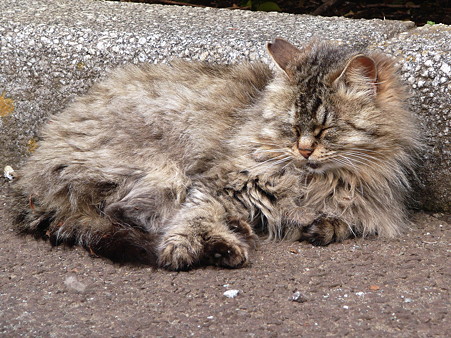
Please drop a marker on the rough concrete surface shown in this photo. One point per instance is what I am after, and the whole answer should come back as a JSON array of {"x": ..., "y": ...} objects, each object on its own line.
[
  {"x": 425, "y": 58},
  {"x": 54, "y": 50},
  {"x": 359, "y": 288}
]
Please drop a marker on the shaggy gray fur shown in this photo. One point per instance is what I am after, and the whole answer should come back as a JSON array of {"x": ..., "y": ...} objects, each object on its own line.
[{"x": 178, "y": 165}]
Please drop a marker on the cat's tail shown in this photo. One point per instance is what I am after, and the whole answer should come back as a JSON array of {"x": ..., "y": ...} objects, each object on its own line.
[{"x": 91, "y": 229}]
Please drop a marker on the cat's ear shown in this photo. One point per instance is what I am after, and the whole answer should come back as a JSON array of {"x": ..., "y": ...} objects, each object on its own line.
[
  {"x": 360, "y": 71},
  {"x": 283, "y": 53}
]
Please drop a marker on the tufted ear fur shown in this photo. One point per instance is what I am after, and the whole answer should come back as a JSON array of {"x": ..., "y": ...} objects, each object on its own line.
[
  {"x": 283, "y": 53},
  {"x": 361, "y": 73}
]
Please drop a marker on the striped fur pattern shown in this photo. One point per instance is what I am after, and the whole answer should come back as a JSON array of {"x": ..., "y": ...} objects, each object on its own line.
[{"x": 181, "y": 165}]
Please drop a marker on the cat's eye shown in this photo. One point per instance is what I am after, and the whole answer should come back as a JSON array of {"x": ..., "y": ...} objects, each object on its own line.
[{"x": 319, "y": 131}]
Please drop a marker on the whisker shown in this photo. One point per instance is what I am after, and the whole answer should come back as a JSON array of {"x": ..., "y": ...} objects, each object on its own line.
[
  {"x": 286, "y": 165},
  {"x": 276, "y": 162},
  {"x": 348, "y": 161},
  {"x": 352, "y": 230},
  {"x": 372, "y": 160},
  {"x": 265, "y": 143},
  {"x": 268, "y": 161},
  {"x": 363, "y": 161},
  {"x": 281, "y": 161},
  {"x": 363, "y": 156},
  {"x": 270, "y": 150},
  {"x": 361, "y": 149},
  {"x": 368, "y": 163},
  {"x": 345, "y": 164}
]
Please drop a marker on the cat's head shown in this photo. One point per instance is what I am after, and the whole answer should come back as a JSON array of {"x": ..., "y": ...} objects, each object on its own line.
[{"x": 330, "y": 108}]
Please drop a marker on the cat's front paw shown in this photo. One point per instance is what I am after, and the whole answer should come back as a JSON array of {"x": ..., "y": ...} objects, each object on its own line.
[
  {"x": 185, "y": 252},
  {"x": 226, "y": 251},
  {"x": 325, "y": 230},
  {"x": 180, "y": 252}
]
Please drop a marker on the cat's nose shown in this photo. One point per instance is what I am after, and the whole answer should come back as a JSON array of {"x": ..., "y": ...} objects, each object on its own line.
[{"x": 305, "y": 152}]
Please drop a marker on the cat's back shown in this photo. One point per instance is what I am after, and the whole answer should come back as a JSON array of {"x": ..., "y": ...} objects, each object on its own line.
[
  {"x": 182, "y": 85},
  {"x": 183, "y": 109},
  {"x": 179, "y": 92}
]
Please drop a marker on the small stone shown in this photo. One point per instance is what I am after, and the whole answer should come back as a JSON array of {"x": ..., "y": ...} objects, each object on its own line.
[
  {"x": 231, "y": 293},
  {"x": 142, "y": 57},
  {"x": 101, "y": 45},
  {"x": 73, "y": 283},
  {"x": 445, "y": 68},
  {"x": 9, "y": 173},
  {"x": 203, "y": 56},
  {"x": 298, "y": 297}
]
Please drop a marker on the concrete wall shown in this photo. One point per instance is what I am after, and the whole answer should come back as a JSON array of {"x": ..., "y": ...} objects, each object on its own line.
[{"x": 53, "y": 50}]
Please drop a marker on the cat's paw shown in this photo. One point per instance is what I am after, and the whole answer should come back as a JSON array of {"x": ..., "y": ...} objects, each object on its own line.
[
  {"x": 185, "y": 252},
  {"x": 243, "y": 230},
  {"x": 325, "y": 230},
  {"x": 226, "y": 251},
  {"x": 180, "y": 252}
]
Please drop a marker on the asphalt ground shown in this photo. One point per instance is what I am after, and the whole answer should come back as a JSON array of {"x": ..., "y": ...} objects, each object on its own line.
[{"x": 361, "y": 287}]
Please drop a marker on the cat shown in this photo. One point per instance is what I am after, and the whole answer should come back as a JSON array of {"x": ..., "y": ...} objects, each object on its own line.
[{"x": 184, "y": 164}]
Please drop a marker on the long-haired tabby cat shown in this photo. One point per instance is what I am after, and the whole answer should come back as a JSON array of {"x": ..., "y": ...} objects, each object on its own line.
[{"x": 180, "y": 165}]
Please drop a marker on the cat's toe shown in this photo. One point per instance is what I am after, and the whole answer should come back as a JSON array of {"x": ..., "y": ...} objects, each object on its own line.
[
  {"x": 178, "y": 255},
  {"x": 226, "y": 252},
  {"x": 243, "y": 230},
  {"x": 326, "y": 230}
]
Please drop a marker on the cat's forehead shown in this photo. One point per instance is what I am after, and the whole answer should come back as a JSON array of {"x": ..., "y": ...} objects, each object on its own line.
[
  {"x": 322, "y": 60},
  {"x": 313, "y": 80},
  {"x": 311, "y": 96}
]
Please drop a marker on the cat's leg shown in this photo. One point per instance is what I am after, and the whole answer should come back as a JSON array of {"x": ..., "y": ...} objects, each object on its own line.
[
  {"x": 325, "y": 230},
  {"x": 203, "y": 233},
  {"x": 137, "y": 211},
  {"x": 87, "y": 227},
  {"x": 306, "y": 224},
  {"x": 69, "y": 208},
  {"x": 112, "y": 240},
  {"x": 145, "y": 206}
]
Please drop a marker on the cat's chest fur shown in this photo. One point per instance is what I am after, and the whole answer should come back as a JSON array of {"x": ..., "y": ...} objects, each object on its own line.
[{"x": 263, "y": 199}]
